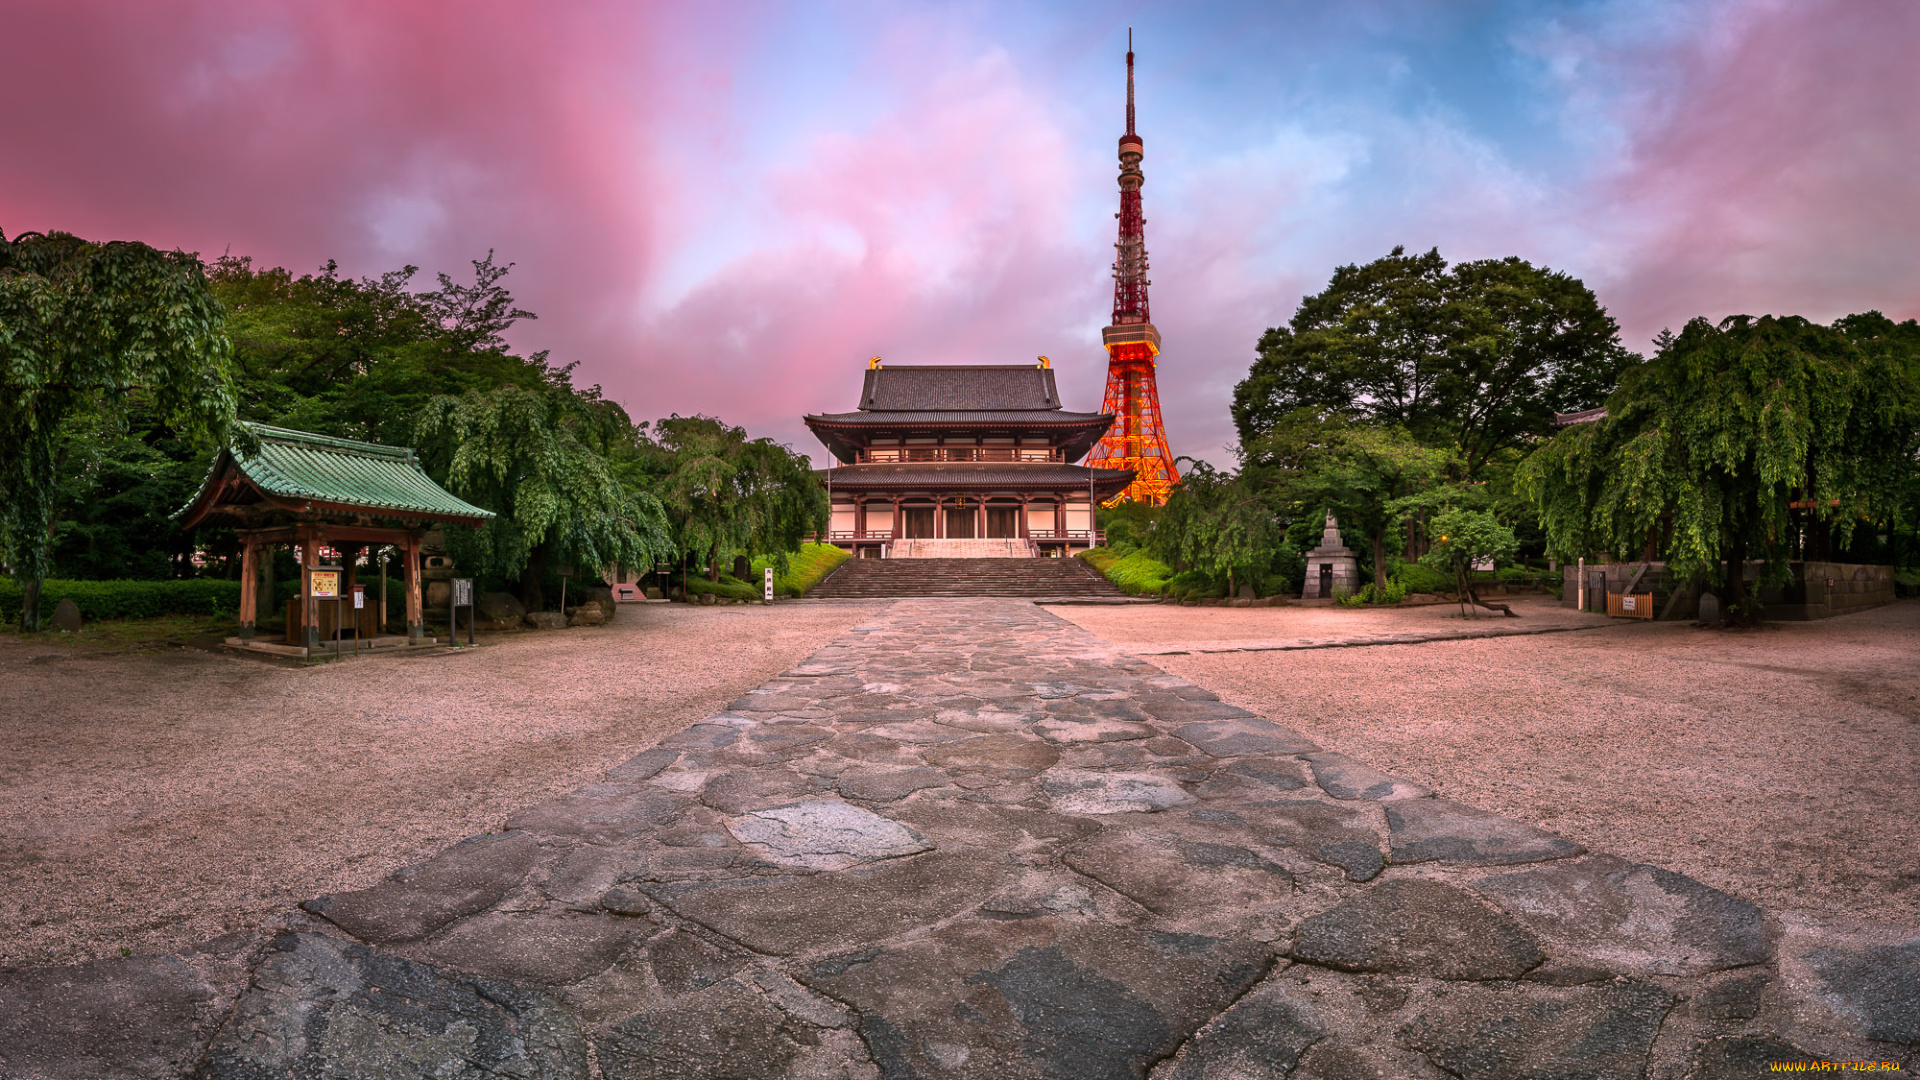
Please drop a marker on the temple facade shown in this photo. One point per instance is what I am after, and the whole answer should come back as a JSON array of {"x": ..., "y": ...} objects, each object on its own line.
[{"x": 963, "y": 461}]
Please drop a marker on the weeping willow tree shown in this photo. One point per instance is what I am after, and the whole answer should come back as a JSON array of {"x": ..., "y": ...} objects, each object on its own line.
[
  {"x": 1710, "y": 448},
  {"x": 539, "y": 458},
  {"x": 82, "y": 326},
  {"x": 1218, "y": 523},
  {"x": 725, "y": 492}
]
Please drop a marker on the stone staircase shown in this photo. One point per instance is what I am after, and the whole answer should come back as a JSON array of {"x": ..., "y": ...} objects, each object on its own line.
[
  {"x": 961, "y": 549},
  {"x": 863, "y": 578}
]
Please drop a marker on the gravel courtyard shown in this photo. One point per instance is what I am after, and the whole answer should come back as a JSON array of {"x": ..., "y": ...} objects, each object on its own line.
[
  {"x": 151, "y": 801},
  {"x": 1780, "y": 765}
]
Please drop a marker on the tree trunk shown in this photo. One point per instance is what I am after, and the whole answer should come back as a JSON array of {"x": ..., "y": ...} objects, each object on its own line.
[
  {"x": 532, "y": 592},
  {"x": 1379, "y": 560},
  {"x": 713, "y": 563},
  {"x": 1739, "y": 606},
  {"x": 30, "y": 605}
]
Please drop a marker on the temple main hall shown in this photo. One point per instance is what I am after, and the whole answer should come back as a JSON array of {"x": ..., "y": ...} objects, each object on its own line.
[{"x": 963, "y": 461}]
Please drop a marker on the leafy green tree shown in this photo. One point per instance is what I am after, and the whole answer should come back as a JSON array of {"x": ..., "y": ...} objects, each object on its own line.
[
  {"x": 360, "y": 359},
  {"x": 1477, "y": 357},
  {"x": 1731, "y": 438},
  {"x": 82, "y": 325},
  {"x": 1218, "y": 523},
  {"x": 725, "y": 492},
  {"x": 1369, "y": 476},
  {"x": 1464, "y": 538},
  {"x": 539, "y": 458}
]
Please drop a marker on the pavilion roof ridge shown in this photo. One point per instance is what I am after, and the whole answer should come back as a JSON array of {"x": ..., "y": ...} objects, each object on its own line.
[{"x": 327, "y": 471}]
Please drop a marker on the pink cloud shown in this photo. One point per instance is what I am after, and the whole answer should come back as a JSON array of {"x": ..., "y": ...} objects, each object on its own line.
[
  {"x": 1776, "y": 171},
  {"x": 377, "y": 134}
]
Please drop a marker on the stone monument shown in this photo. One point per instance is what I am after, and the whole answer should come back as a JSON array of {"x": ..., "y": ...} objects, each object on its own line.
[{"x": 1331, "y": 568}]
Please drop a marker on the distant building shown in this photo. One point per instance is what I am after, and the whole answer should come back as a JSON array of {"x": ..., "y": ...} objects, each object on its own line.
[{"x": 964, "y": 460}]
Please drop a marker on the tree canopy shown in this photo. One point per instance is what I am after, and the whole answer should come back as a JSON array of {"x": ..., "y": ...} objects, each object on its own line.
[
  {"x": 538, "y": 458},
  {"x": 84, "y": 326},
  {"x": 1474, "y": 358},
  {"x": 725, "y": 492},
  {"x": 1732, "y": 439}
]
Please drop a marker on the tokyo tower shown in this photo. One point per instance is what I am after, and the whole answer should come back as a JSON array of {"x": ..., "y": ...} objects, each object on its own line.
[{"x": 1137, "y": 440}]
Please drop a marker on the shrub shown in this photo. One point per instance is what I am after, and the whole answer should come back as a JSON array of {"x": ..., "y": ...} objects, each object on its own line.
[
  {"x": 128, "y": 599},
  {"x": 728, "y": 587},
  {"x": 1391, "y": 593},
  {"x": 1906, "y": 582},
  {"x": 1135, "y": 572},
  {"x": 1414, "y": 577},
  {"x": 805, "y": 569},
  {"x": 1194, "y": 585}
]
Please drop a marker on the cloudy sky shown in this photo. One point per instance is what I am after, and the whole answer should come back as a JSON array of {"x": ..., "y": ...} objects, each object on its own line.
[{"x": 726, "y": 208}]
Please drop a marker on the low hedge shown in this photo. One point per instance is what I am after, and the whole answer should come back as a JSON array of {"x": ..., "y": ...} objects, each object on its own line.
[
  {"x": 127, "y": 599},
  {"x": 1135, "y": 572},
  {"x": 728, "y": 587},
  {"x": 805, "y": 568}
]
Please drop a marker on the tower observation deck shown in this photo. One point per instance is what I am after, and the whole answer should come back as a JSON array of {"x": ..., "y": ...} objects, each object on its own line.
[{"x": 1138, "y": 439}]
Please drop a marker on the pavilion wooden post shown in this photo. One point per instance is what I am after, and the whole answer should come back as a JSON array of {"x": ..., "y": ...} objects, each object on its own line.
[
  {"x": 980, "y": 518},
  {"x": 939, "y": 517},
  {"x": 1026, "y": 530},
  {"x": 309, "y": 611},
  {"x": 249, "y": 588},
  {"x": 416, "y": 618}
]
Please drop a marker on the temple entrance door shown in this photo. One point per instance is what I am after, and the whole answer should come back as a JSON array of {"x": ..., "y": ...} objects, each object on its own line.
[
  {"x": 1003, "y": 522},
  {"x": 916, "y": 522},
  {"x": 1326, "y": 580},
  {"x": 960, "y": 522}
]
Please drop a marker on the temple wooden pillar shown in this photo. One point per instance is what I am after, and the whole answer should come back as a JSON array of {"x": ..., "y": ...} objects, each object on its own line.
[
  {"x": 1026, "y": 533},
  {"x": 939, "y": 517},
  {"x": 249, "y": 588},
  {"x": 897, "y": 526},
  {"x": 980, "y": 518},
  {"x": 416, "y": 611}
]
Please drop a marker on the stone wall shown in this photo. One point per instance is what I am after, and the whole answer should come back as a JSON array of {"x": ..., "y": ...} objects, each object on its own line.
[{"x": 1818, "y": 590}]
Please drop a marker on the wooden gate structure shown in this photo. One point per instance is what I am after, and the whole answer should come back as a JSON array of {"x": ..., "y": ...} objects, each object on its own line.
[{"x": 311, "y": 490}]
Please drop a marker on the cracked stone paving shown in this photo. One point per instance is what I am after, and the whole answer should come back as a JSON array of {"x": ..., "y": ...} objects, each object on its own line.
[{"x": 971, "y": 839}]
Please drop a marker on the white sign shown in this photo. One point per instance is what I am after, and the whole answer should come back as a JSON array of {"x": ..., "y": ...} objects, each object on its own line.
[
  {"x": 769, "y": 583},
  {"x": 359, "y": 599},
  {"x": 1626, "y": 602},
  {"x": 462, "y": 592}
]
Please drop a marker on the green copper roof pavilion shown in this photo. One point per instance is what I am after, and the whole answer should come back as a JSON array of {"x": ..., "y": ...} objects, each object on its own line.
[{"x": 300, "y": 473}]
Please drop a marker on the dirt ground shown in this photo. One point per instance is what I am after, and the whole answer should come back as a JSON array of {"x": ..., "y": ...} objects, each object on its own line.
[
  {"x": 1781, "y": 765},
  {"x": 152, "y": 800}
]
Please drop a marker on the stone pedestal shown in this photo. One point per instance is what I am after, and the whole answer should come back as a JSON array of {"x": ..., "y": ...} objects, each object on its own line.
[{"x": 1332, "y": 569}]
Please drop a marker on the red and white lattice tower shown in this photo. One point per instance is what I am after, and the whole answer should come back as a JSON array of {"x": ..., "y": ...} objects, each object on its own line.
[{"x": 1137, "y": 440}]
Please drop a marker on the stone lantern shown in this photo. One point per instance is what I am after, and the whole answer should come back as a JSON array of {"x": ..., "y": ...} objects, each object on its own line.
[{"x": 1331, "y": 568}]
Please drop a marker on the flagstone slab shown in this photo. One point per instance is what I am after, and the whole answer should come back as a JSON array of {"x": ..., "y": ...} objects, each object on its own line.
[
  {"x": 321, "y": 1008},
  {"x": 1631, "y": 919},
  {"x": 411, "y": 903},
  {"x": 1527, "y": 1030},
  {"x": 1036, "y": 998},
  {"x": 1233, "y": 738},
  {"x": 546, "y": 948},
  {"x": 1440, "y": 830},
  {"x": 1090, "y": 791},
  {"x": 1344, "y": 778},
  {"x": 824, "y": 834},
  {"x": 1415, "y": 927},
  {"x": 825, "y": 912}
]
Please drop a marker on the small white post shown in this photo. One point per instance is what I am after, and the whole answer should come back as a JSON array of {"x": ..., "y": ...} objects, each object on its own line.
[{"x": 1580, "y": 584}]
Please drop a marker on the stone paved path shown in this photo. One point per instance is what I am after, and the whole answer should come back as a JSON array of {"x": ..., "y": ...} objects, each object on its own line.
[{"x": 973, "y": 840}]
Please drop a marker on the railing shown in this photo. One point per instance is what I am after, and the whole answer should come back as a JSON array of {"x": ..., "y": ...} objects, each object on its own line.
[
  {"x": 1099, "y": 536},
  {"x": 957, "y": 453},
  {"x": 887, "y": 535}
]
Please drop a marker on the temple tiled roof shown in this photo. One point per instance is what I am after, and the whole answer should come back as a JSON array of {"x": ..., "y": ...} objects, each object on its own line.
[
  {"x": 960, "y": 388},
  {"x": 304, "y": 469},
  {"x": 963, "y": 418},
  {"x": 977, "y": 476}
]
